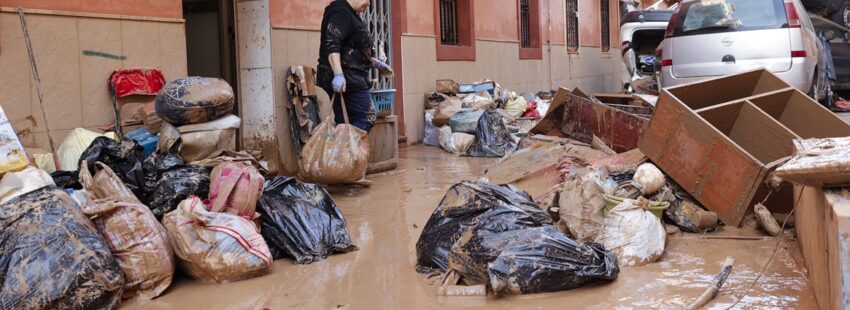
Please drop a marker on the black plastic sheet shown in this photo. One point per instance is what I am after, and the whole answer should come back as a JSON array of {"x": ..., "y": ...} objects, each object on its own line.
[
  {"x": 301, "y": 220},
  {"x": 52, "y": 257},
  {"x": 176, "y": 185},
  {"x": 543, "y": 259},
  {"x": 504, "y": 207},
  {"x": 124, "y": 158},
  {"x": 67, "y": 179},
  {"x": 157, "y": 164},
  {"x": 493, "y": 138}
]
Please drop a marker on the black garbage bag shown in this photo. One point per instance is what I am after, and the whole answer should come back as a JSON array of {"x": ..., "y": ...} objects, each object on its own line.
[
  {"x": 157, "y": 164},
  {"x": 492, "y": 138},
  {"x": 504, "y": 207},
  {"x": 52, "y": 257},
  {"x": 125, "y": 158},
  {"x": 301, "y": 220},
  {"x": 177, "y": 184},
  {"x": 542, "y": 259},
  {"x": 67, "y": 179}
]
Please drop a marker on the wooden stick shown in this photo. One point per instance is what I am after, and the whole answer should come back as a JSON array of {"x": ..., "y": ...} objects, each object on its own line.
[
  {"x": 716, "y": 284},
  {"x": 36, "y": 77}
]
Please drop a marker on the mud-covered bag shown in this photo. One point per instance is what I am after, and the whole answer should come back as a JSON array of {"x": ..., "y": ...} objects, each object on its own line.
[
  {"x": 335, "y": 154},
  {"x": 461, "y": 209},
  {"x": 52, "y": 257},
  {"x": 633, "y": 233},
  {"x": 492, "y": 138},
  {"x": 193, "y": 100},
  {"x": 235, "y": 189},
  {"x": 543, "y": 259},
  {"x": 466, "y": 120},
  {"x": 125, "y": 158},
  {"x": 301, "y": 221},
  {"x": 177, "y": 184},
  {"x": 105, "y": 183},
  {"x": 138, "y": 242},
  {"x": 582, "y": 207},
  {"x": 216, "y": 247}
]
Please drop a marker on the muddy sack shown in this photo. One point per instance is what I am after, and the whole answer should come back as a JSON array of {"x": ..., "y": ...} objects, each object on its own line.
[
  {"x": 466, "y": 120},
  {"x": 235, "y": 189},
  {"x": 177, "y": 184},
  {"x": 301, "y": 221},
  {"x": 462, "y": 208},
  {"x": 124, "y": 158},
  {"x": 138, "y": 242},
  {"x": 633, "y": 233},
  {"x": 216, "y": 247},
  {"x": 193, "y": 100},
  {"x": 543, "y": 259},
  {"x": 53, "y": 257},
  {"x": 335, "y": 154},
  {"x": 492, "y": 139}
]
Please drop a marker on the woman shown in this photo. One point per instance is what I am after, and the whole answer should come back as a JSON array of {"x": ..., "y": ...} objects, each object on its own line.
[{"x": 345, "y": 59}]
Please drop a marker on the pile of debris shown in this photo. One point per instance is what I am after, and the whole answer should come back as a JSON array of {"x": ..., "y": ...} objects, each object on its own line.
[
  {"x": 121, "y": 213},
  {"x": 480, "y": 119}
]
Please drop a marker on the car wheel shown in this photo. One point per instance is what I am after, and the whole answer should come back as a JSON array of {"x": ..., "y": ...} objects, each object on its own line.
[{"x": 842, "y": 15}]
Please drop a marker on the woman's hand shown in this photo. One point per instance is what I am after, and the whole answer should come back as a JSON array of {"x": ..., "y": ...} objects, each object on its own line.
[
  {"x": 338, "y": 83},
  {"x": 383, "y": 68}
]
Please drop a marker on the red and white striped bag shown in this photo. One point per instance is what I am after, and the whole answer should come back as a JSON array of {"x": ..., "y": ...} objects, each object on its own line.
[
  {"x": 235, "y": 189},
  {"x": 216, "y": 247}
]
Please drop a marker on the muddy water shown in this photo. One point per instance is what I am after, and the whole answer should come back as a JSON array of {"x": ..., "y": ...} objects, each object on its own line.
[{"x": 386, "y": 220}]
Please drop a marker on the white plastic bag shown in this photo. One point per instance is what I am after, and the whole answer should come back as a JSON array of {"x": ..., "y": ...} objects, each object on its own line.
[
  {"x": 432, "y": 133},
  {"x": 581, "y": 208},
  {"x": 456, "y": 143},
  {"x": 74, "y": 145},
  {"x": 634, "y": 234},
  {"x": 516, "y": 106}
]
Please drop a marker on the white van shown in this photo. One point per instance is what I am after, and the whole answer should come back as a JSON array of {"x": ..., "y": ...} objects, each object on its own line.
[{"x": 641, "y": 31}]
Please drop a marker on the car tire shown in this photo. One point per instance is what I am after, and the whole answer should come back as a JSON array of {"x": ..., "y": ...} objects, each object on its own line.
[{"x": 842, "y": 15}]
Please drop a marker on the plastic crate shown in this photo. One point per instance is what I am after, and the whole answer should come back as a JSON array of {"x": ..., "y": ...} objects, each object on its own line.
[{"x": 384, "y": 101}]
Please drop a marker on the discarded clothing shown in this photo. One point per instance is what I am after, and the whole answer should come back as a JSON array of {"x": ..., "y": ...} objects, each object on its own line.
[
  {"x": 301, "y": 220},
  {"x": 235, "y": 189},
  {"x": 53, "y": 257}
]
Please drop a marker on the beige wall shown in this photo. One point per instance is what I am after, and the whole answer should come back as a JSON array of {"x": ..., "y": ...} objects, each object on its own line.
[
  {"x": 74, "y": 85},
  {"x": 590, "y": 70}
]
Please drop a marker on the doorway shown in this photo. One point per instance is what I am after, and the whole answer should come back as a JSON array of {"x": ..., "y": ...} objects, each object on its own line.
[{"x": 211, "y": 39}]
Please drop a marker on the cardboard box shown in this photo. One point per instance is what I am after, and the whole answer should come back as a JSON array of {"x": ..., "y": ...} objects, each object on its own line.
[
  {"x": 721, "y": 138},
  {"x": 13, "y": 157},
  {"x": 822, "y": 222}
]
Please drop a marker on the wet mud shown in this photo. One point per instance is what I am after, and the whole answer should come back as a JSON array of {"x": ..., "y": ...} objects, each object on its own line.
[{"x": 385, "y": 222}]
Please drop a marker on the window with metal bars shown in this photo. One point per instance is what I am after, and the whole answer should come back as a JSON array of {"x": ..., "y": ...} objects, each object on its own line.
[
  {"x": 572, "y": 24},
  {"x": 525, "y": 23},
  {"x": 605, "y": 18},
  {"x": 448, "y": 22}
]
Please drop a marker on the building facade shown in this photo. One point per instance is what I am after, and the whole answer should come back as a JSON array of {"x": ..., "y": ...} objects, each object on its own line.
[{"x": 525, "y": 45}]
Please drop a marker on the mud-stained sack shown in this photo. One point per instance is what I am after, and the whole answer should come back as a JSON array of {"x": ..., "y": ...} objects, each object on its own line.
[
  {"x": 633, "y": 233},
  {"x": 461, "y": 209},
  {"x": 466, "y": 120},
  {"x": 543, "y": 259},
  {"x": 125, "y": 158},
  {"x": 456, "y": 143},
  {"x": 177, "y": 184},
  {"x": 582, "y": 208},
  {"x": 301, "y": 221},
  {"x": 193, "y": 100},
  {"x": 235, "y": 189},
  {"x": 138, "y": 242},
  {"x": 53, "y": 257},
  {"x": 205, "y": 140},
  {"x": 334, "y": 155},
  {"x": 104, "y": 183},
  {"x": 216, "y": 247}
]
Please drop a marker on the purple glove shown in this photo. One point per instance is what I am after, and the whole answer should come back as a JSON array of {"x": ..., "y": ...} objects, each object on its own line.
[
  {"x": 339, "y": 83},
  {"x": 384, "y": 68}
]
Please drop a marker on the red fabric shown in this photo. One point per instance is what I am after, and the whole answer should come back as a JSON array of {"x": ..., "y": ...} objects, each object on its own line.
[
  {"x": 532, "y": 110},
  {"x": 136, "y": 81}
]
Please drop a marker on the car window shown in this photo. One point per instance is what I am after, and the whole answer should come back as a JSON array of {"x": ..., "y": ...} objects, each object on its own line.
[{"x": 714, "y": 16}]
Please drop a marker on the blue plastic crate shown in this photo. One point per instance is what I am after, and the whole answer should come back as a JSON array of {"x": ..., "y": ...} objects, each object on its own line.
[{"x": 384, "y": 100}]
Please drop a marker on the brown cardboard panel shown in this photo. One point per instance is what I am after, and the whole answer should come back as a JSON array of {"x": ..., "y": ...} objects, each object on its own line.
[
  {"x": 761, "y": 136},
  {"x": 802, "y": 115},
  {"x": 723, "y": 89},
  {"x": 55, "y": 46}
]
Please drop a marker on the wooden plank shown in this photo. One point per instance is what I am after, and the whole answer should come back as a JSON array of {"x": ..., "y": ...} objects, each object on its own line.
[
  {"x": 818, "y": 162},
  {"x": 554, "y": 116},
  {"x": 585, "y": 118},
  {"x": 525, "y": 162}
]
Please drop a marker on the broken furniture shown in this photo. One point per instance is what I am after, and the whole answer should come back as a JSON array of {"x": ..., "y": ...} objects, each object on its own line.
[
  {"x": 721, "y": 138},
  {"x": 126, "y": 82},
  {"x": 303, "y": 104}
]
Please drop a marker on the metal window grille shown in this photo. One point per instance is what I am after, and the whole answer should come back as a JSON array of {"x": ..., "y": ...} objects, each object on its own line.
[
  {"x": 572, "y": 24},
  {"x": 605, "y": 18},
  {"x": 448, "y": 22},
  {"x": 525, "y": 23},
  {"x": 379, "y": 20}
]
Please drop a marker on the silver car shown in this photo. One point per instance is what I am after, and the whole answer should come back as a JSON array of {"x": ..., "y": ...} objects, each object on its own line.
[{"x": 708, "y": 38}]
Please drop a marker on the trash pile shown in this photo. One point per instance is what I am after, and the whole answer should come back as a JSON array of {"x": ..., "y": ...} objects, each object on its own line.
[
  {"x": 122, "y": 213},
  {"x": 480, "y": 119}
]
